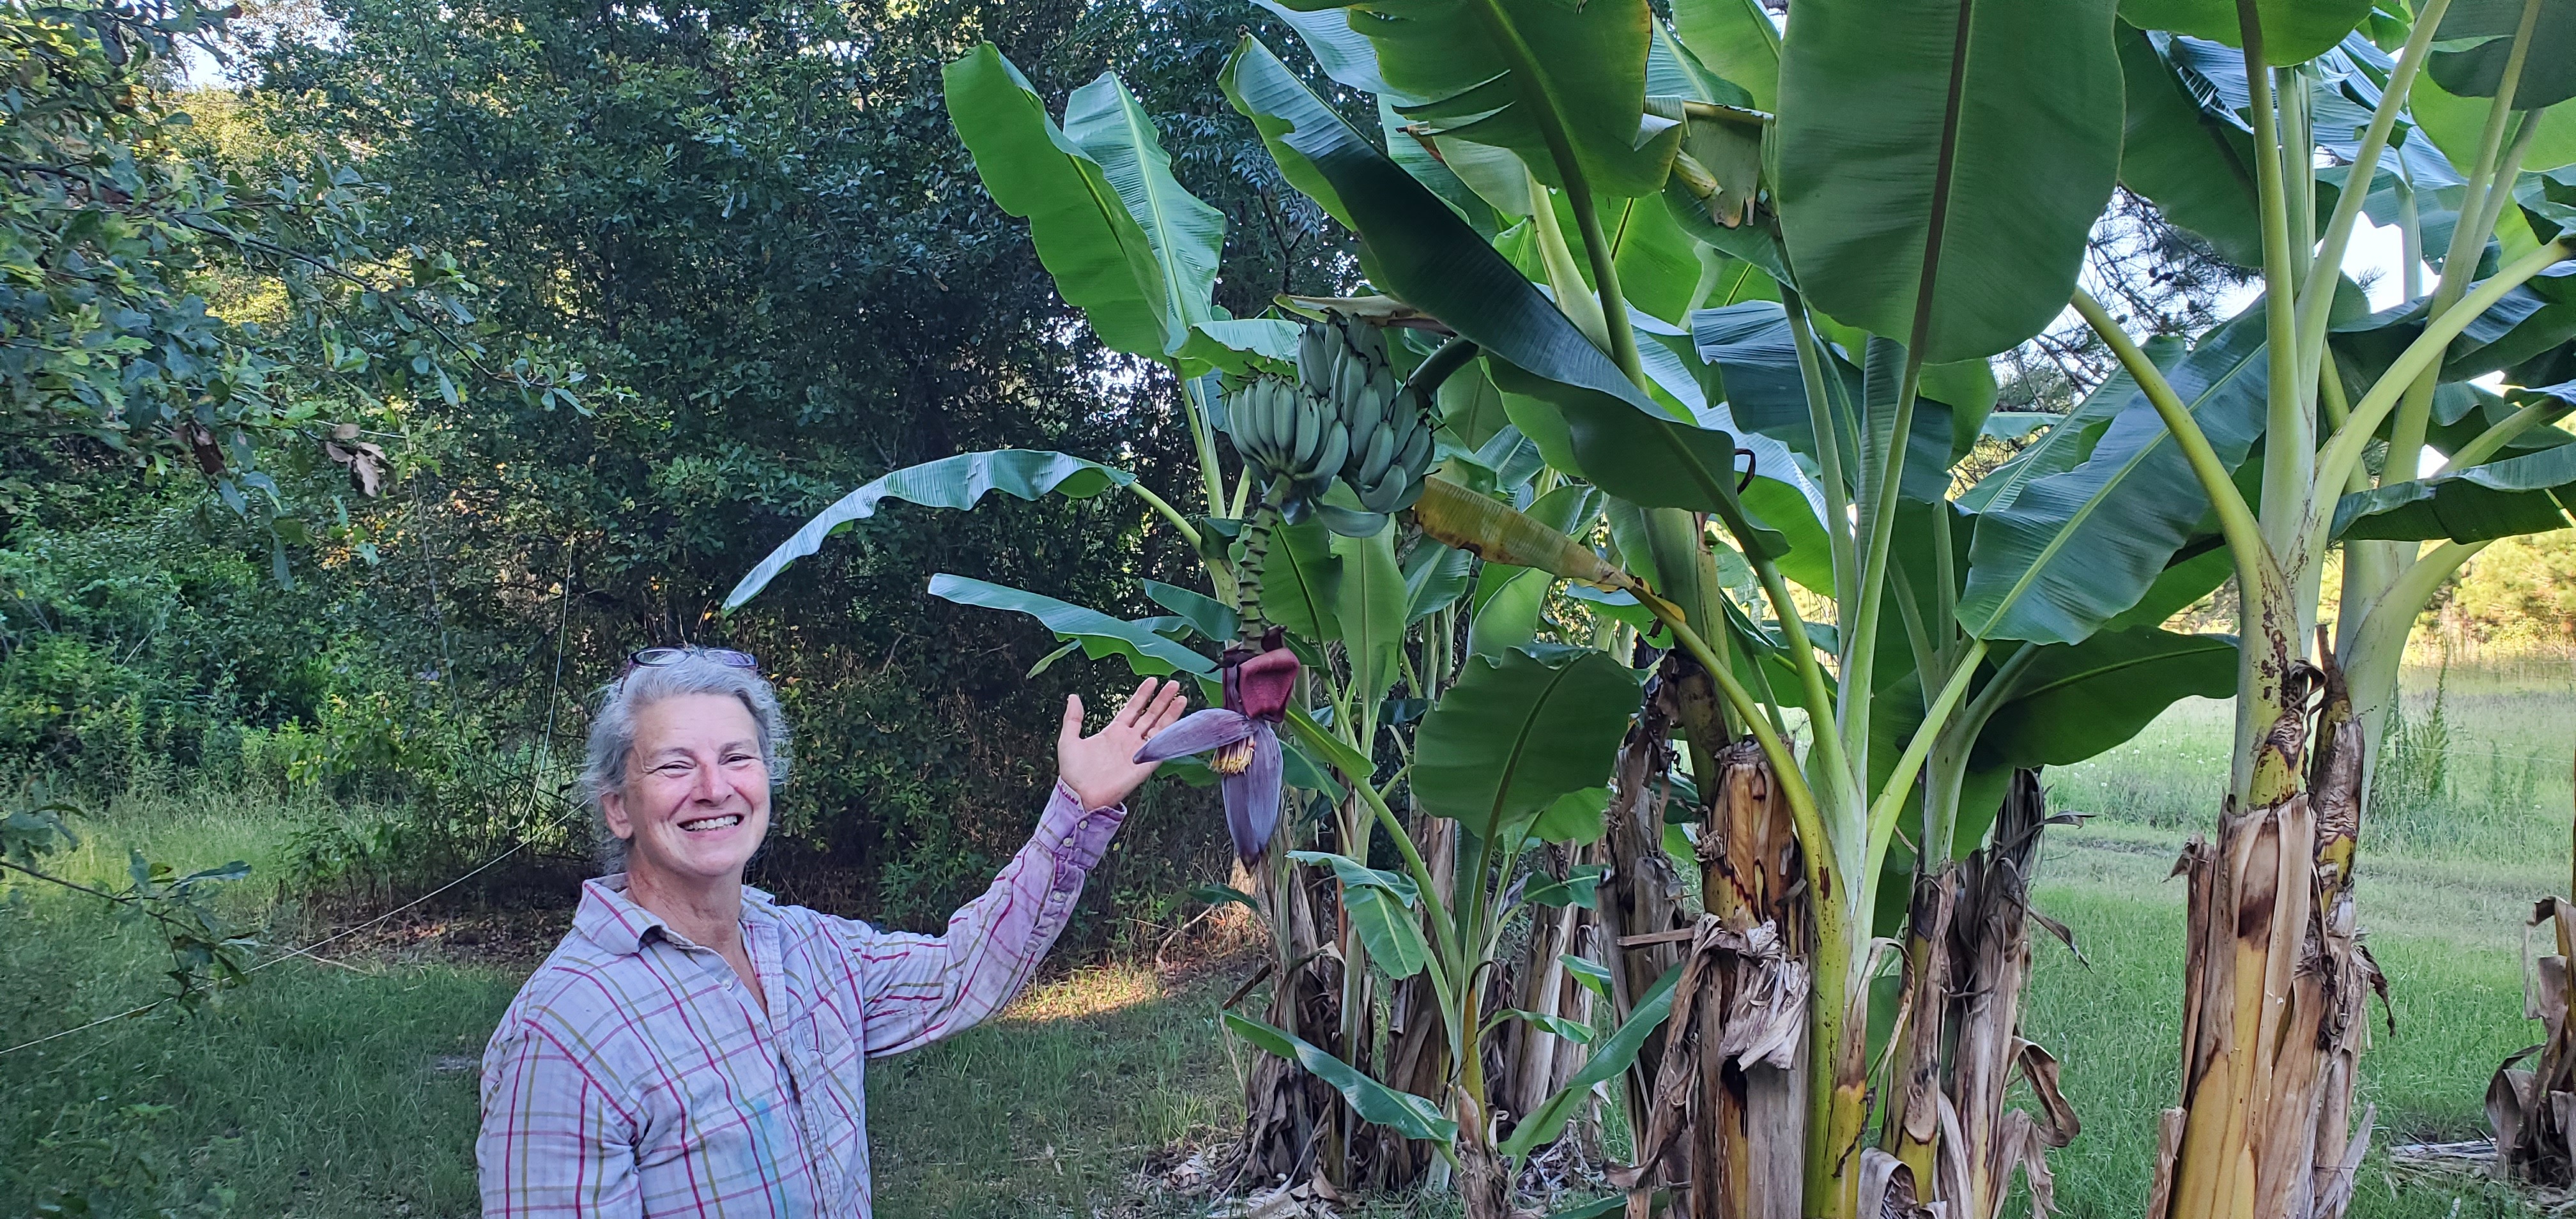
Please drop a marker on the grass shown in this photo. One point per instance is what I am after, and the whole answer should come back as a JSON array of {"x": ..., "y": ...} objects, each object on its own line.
[{"x": 324, "y": 1091}]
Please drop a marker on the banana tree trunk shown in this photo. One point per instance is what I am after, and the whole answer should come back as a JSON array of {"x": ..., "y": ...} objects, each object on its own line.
[
  {"x": 1990, "y": 967},
  {"x": 1529, "y": 1063},
  {"x": 1287, "y": 1111},
  {"x": 1417, "y": 1058},
  {"x": 1746, "y": 1155},
  {"x": 2275, "y": 982},
  {"x": 1484, "y": 1180},
  {"x": 1643, "y": 894},
  {"x": 1913, "y": 1116}
]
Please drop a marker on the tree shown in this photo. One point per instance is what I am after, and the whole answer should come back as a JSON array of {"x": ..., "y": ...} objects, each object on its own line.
[{"x": 123, "y": 241}]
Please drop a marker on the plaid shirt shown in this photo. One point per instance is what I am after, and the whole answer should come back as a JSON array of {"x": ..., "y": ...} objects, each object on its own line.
[{"x": 635, "y": 1075}]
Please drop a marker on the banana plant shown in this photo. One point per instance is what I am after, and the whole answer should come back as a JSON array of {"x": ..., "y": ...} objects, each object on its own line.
[
  {"x": 2431, "y": 118},
  {"x": 1849, "y": 434},
  {"x": 1712, "y": 302}
]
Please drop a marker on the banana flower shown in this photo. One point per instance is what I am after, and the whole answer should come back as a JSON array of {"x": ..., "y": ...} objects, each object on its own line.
[{"x": 1244, "y": 736}]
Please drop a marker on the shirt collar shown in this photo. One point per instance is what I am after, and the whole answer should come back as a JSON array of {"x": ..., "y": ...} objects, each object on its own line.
[{"x": 613, "y": 921}]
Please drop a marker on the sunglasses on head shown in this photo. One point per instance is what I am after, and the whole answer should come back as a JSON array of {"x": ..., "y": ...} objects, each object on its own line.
[{"x": 646, "y": 658}]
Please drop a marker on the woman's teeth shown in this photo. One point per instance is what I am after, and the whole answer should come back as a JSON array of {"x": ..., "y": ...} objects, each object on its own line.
[{"x": 727, "y": 821}]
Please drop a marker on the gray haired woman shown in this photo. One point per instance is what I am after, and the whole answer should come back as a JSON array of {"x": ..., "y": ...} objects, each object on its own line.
[{"x": 695, "y": 1048}]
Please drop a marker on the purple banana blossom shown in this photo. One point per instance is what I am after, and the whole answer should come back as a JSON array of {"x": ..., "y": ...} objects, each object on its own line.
[{"x": 1244, "y": 736}]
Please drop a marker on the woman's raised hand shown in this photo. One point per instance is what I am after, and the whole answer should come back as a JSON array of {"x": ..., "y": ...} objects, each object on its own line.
[{"x": 1102, "y": 769}]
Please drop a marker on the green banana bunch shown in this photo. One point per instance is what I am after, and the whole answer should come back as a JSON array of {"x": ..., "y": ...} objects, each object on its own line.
[
  {"x": 1344, "y": 361},
  {"x": 1291, "y": 436}
]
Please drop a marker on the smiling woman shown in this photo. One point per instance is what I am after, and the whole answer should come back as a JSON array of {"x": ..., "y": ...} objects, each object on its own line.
[
  {"x": 707, "y": 679},
  {"x": 694, "y": 1048}
]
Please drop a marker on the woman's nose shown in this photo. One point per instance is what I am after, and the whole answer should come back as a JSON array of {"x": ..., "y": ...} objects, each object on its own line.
[{"x": 710, "y": 787}]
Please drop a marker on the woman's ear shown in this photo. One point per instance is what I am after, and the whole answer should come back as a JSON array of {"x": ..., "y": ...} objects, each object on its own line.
[{"x": 612, "y": 808}]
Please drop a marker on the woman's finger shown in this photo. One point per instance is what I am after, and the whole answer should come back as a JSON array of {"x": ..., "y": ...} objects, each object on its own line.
[
  {"x": 1150, "y": 715},
  {"x": 1168, "y": 708},
  {"x": 1134, "y": 706}
]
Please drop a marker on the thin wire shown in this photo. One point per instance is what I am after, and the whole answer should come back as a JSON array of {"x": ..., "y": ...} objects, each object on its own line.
[{"x": 536, "y": 777}]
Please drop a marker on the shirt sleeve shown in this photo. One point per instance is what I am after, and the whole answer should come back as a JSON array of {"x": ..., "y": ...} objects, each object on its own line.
[
  {"x": 915, "y": 989},
  {"x": 555, "y": 1143}
]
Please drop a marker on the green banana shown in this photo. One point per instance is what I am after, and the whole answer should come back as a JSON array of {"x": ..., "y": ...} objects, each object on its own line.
[{"x": 1345, "y": 417}]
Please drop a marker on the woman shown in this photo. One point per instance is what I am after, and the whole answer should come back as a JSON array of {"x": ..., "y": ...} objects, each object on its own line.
[{"x": 693, "y": 1047}]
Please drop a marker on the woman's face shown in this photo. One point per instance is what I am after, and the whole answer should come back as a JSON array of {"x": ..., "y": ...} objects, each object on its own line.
[{"x": 696, "y": 800}]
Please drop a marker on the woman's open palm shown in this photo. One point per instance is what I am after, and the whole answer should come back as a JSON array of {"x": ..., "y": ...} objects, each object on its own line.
[{"x": 1102, "y": 770}]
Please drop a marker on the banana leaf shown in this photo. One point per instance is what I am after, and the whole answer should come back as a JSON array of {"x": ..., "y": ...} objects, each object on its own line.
[
  {"x": 1099, "y": 634},
  {"x": 1941, "y": 163},
  {"x": 950, "y": 482}
]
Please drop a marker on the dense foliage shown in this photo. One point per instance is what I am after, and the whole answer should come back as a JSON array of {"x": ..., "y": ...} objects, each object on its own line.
[{"x": 749, "y": 228}]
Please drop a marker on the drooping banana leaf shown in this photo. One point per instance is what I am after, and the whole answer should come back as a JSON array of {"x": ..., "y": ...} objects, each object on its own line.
[
  {"x": 2079, "y": 701},
  {"x": 1414, "y": 152},
  {"x": 2294, "y": 31},
  {"x": 1435, "y": 577},
  {"x": 1099, "y": 634},
  {"x": 1403, "y": 1112},
  {"x": 1754, "y": 365},
  {"x": 2476, "y": 38},
  {"x": 1381, "y": 907},
  {"x": 2193, "y": 162},
  {"x": 2534, "y": 317},
  {"x": 1752, "y": 361},
  {"x": 1340, "y": 50},
  {"x": 1242, "y": 345},
  {"x": 2518, "y": 495},
  {"x": 1206, "y": 615},
  {"x": 2075, "y": 702},
  {"x": 1525, "y": 75},
  {"x": 950, "y": 482},
  {"x": 2196, "y": 572},
  {"x": 2071, "y": 439}
]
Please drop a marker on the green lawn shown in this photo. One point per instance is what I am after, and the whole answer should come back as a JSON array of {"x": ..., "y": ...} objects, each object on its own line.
[{"x": 349, "y": 1091}]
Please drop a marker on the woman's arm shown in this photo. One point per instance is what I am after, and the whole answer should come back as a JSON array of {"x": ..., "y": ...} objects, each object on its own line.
[
  {"x": 915, "y": 989},
  {"x": 556, "y": 1144}
]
